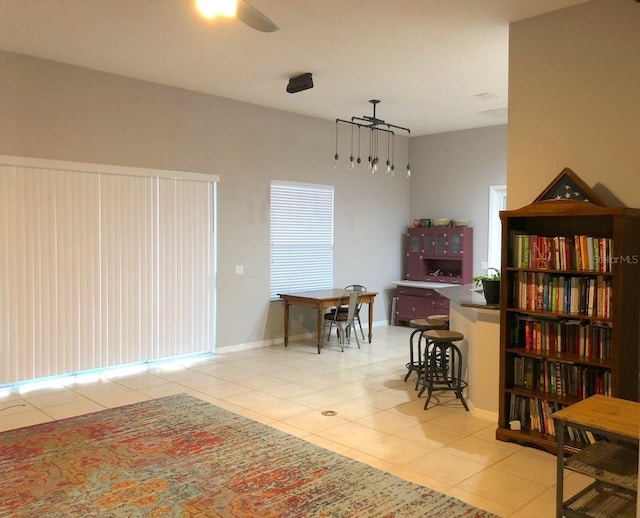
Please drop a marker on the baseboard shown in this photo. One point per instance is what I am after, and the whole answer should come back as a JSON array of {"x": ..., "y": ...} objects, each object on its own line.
[
  {"x": 280, "y": 341},
  {"x": 482, "y": 414},
  {"x": 263, "y": 343}
]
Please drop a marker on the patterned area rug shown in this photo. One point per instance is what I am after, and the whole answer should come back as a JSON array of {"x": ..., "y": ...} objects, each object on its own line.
[{"x": 181, "y": 456}]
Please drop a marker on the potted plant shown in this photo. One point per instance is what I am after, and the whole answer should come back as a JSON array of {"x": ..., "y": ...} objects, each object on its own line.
[{"x": 490, "y": 285}]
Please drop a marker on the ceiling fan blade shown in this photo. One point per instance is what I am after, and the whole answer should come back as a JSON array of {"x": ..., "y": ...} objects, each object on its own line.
[{"x": 249, "y": 15}]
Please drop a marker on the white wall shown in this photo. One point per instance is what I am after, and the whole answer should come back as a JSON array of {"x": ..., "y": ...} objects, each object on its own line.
[{"x": 574, "y": 81}]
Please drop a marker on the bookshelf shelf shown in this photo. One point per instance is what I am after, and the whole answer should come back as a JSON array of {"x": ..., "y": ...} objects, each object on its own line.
[
  {"x": 559, "y": 357},
  {"x": 569, "y": 318}
]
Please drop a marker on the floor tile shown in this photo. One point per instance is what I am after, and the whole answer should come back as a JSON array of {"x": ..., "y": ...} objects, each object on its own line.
[
  {"x": 18, "y": 420},
  {"x": 395, "y": 450},
  {"x": 388, "y": 422},
  {"x": 480, "y": 451},
  {"x": 531, "y": 464},
  {"x": 313, "y": 421},
  {"x": 72, "y": 409},
  {"x": 379, "y": 418},
  {"x": 443, "y": 466},
  {"x": 508, "y": 489},
  {"x": 352, "y": 434}
]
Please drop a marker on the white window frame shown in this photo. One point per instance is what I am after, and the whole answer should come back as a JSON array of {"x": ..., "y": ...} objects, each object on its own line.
[
  {"x": 497, "y": 202},
  {"x": 301, "y": 237}
]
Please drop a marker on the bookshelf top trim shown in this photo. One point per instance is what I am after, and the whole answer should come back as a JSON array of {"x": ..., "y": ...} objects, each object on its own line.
[{"x": 568, "y": 208}]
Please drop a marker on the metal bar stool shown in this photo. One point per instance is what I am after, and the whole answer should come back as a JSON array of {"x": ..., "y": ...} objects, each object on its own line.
[
  {"x": 443, "y": 365},
  {"x": 443, "y": 318},
  {"x": 416, "y": 356}
]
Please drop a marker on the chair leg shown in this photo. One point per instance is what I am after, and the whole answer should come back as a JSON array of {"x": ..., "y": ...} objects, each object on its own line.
[
  {"x": 355, "y": 333},
  {"x": 341, "y": 333},
  {"x": 360, "y": 324}
]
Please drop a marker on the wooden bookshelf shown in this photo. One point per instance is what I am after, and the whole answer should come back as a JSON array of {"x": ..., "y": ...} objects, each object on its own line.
[{"x": 580, "y": 340}]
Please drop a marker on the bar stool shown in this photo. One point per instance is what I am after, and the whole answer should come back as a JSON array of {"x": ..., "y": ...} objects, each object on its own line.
[
  {"x": 416, "y": 357},
  {"x": 443, "y": 365},
  {"x": 443, "y": 318}
]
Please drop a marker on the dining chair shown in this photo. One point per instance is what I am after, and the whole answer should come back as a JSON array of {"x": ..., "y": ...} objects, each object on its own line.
[
  {"x": 344, "y": 320},
  {"x": 357, "y": 288}
]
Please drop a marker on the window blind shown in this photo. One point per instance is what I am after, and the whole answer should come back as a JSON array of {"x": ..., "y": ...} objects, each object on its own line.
[
  {"x": 301, "y": 235},
  {"x": 102, "y": 269}
]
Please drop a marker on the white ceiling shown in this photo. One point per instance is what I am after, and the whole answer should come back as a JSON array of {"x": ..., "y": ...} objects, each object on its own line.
[{"x": 437, "y": 65}]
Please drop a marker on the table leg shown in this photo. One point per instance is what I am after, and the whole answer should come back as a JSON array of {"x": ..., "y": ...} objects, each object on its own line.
[
  {"x": 286, "y": 323},
  {"x": 370, "y": 320},
  {"x": 320, "y": 325},
  {"x": 559, "y": 425}
]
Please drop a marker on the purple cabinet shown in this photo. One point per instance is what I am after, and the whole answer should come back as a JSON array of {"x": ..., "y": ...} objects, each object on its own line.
[
  {"x": 414, "y": 270},
  {"x": 439, "y": 254},
  {"x": 415, "y": 303}
]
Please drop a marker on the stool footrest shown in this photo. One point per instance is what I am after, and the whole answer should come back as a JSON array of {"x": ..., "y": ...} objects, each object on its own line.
[{"x": 442, "y": 365}]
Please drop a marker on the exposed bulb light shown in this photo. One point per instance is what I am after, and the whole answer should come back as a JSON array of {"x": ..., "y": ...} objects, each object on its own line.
[
  {"x": 376, "y": 127},
  {"x": 212, "y": 8}
]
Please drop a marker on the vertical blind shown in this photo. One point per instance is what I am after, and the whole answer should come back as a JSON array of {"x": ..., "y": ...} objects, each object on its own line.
[
  {"x": 301, "y": 234},
  {"x": 102, "y": 269}
]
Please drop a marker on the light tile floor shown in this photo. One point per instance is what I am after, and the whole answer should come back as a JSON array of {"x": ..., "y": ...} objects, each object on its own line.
[{"x": 379, "y": 421}]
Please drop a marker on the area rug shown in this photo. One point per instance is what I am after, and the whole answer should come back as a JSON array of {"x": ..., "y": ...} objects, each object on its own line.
[{"x": 181, "y": 456}]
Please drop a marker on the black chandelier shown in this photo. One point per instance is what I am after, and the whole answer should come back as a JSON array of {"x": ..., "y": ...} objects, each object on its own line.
[{"x": 375, "y": 127}]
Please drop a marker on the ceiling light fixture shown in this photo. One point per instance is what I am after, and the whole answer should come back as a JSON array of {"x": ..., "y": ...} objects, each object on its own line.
[
  {"x": 212, "y": 8},
  {"x": 375, "y": 127}
]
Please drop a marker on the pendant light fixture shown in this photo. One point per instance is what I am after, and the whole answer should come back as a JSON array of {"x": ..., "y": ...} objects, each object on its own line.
[{"x": 375, "y": 127}]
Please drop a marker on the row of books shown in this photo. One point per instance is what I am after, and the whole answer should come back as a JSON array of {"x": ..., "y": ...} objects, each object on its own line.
[
  {"x": 580, "y": 252},
  {"x": 533, "y": 414},
  {"x": 579, "y": 337},
  {"x": 579, "y": 295},
  {"x": 537, "y": 415},
  {"x": 559, "y": 378}
]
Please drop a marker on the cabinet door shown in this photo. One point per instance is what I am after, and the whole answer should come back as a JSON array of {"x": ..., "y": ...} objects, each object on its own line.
[
  {"x": 440, "y": 305},
  {"x": 404, "y": 309},
  {"x": 414, "y": 303},
  {"x": 456, "y": 242},
  {"x": 424, "y": 305},
  {"x": 428, "y": 243},
  {"x": 414, "y": 264},
  {"x": 441, "y": 242}
]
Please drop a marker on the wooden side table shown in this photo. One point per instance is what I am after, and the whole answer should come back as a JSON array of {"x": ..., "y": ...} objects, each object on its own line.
[{"x": 610, "y": 458}]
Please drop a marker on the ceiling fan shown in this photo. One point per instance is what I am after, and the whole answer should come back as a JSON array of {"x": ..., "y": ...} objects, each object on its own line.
[{"x": 241, "y": 9}]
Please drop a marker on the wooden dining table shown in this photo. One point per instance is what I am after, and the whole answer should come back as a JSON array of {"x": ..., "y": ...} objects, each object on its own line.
[{"x": 321, "y": 300}]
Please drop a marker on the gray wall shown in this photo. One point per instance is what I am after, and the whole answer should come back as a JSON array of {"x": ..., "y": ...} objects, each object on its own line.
[
  {"x": 456, "y": 170},
  {"x": 56, "y": 111}
]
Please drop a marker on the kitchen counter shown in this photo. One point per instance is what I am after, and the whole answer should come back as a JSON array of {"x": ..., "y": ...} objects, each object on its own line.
[
  {"x": 424, "y": 285},
  {"x": 480, "y": 323},
  {"x": 465, "y": 296}
]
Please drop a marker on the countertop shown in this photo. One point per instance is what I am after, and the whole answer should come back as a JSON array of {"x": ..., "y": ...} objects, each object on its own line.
[
  {"x": 466, "y": 296},
  {"x": 425, "y": 285}
]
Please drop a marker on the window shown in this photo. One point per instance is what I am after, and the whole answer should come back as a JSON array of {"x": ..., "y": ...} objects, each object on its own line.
[
  {"x": 301, "y": 237},
  {"x": 497, "y": 202},
  {"x": 102, "y": 266}
]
